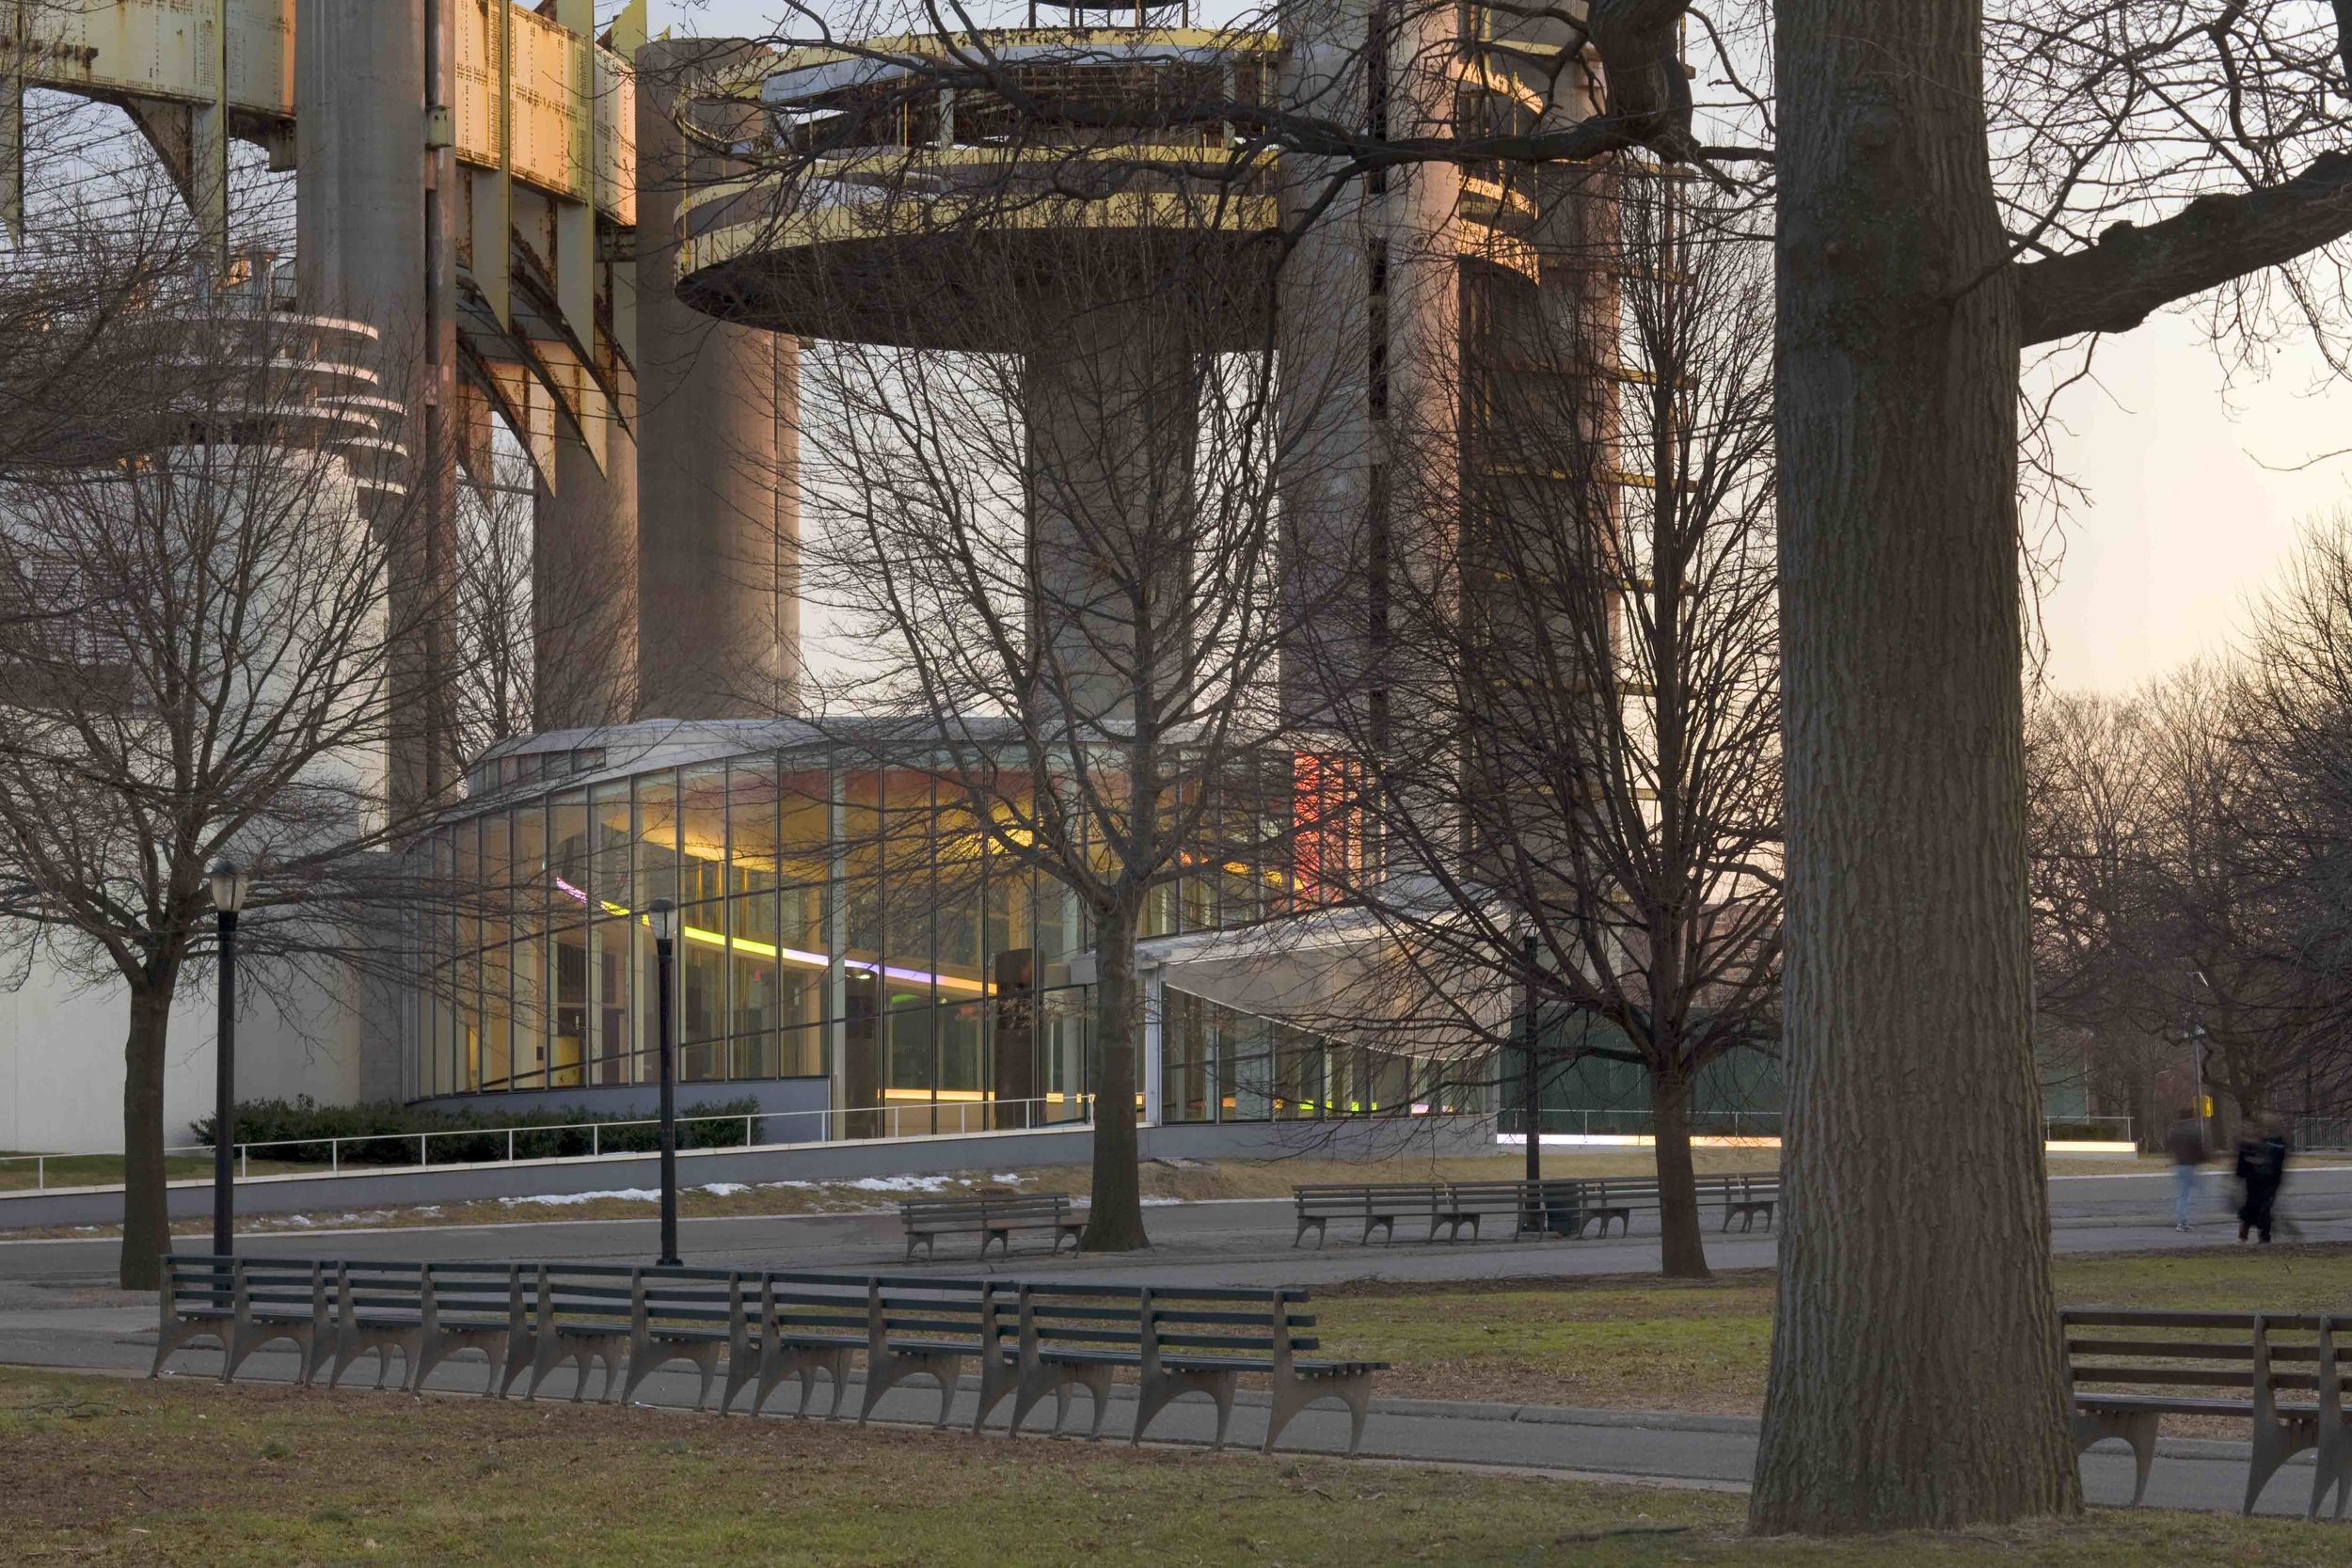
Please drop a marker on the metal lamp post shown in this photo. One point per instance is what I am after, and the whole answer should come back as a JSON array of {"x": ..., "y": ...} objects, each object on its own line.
[
  {"x": 230, "y": 885},
  {"x": 664, "y": 916}
]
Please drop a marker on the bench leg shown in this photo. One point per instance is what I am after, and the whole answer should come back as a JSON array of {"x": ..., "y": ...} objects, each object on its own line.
[
  {"x": 895, "y": 1370},
  {"x": 384, "y": 1349},
  {"x": 494, "y": 1353},
  {"x": 319, "y": 1354},
  {"x": 642, "y": 1362},
  {"x": 997, "y": 1379},
  {"x": 1296, "y": 1395},
  {"x": 2136, "y": 1427},
  {"x": 180, "y": 1335},
  {"x": 835, "y": 1366},
  {"x": 1033, "y": 1388},
  {"x": 247, "y": 1338},
  {"x": 2331, "y": 1467},
  {"x": 1056, "y": 1381},
  {"x": 740, "y": 1377},
  {"x": 775, "y": 1364},
  {"x": 2273, "y": 1447},
  {"x": 1096, "y": 1381},
  {"x": 1167, "y": 1388},
  {"x": 522, "y": 1360}
]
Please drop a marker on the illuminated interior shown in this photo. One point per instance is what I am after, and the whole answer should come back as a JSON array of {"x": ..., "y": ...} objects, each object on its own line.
[{"x": 838, "y": 921}]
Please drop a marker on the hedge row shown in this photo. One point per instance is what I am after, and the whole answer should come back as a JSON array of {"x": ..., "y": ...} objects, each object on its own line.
[{"x": 290, "y": 1125}]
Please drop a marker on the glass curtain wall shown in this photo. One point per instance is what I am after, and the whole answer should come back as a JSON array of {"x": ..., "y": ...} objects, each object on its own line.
[
  {"x": 841, "y": 921},
  {"x": 1221, "y": 1064}
]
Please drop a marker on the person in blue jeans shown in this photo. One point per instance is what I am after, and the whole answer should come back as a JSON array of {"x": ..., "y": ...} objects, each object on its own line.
[{"x": 2186, "y": 1143}]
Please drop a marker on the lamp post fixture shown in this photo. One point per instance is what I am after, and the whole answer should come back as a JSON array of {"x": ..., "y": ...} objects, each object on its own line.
[
  {"x": 230, "y": 884},
  {"x": 664, "y": 916}
]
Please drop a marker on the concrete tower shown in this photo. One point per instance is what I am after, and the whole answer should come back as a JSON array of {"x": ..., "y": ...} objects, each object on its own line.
[
  {"x": 718, "y": 527},
  {"x": 917, "y": 231},
  {"x": 372, "y": 241}
]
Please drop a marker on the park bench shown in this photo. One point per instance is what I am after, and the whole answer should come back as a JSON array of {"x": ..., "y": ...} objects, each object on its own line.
[
  {"x": 1614, "y": 1197},
  {"x": 1743, "y": 1198},
  {"x": 1556, "y": 1207},
  {"x": 464, "y": 1307},
  {"x": 2225, "y": 1364},
  {"x": 1566, "y": 1205},
  {"x": 197, "y": 1298},
  {"x": 581, "y": 1316},
  {"x": 244, "y": 1304},
  {"x": 1378, "y": 1205},
  {"x": 1028, "y": 1340},
  {"x": 993, "y": 1219},
  {"x": 199, "y": 1302},
  {"x": 681, "y": 1314},
  {"x": 929, "y": 1328},
  {"x": 379, "y": 1309},
  {"x": 806, "y": 1323},
  {"x": 1178, "y": 1342}
]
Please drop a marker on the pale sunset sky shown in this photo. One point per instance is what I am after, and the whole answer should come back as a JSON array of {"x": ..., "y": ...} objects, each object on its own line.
[{"x": 2188, "y": 510}]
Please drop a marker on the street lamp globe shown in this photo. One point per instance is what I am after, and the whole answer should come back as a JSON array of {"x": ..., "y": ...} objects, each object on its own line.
[
  {"x": 230, "y": 885},
  {"x": 664, "y": 916}
]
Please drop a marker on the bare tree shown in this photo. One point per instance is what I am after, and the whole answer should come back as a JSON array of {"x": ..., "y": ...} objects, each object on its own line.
[
  {"x": 1955, "y": 184},
  {"x": 215, "y": 681},
  {"x": 1054, "y": 558},
  {"x": 493, "y": 608},
  {"x": 1571, "y": 743}
]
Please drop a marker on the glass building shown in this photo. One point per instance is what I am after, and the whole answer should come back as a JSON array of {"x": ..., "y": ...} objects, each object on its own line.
[{"x": 845, "y": 927}]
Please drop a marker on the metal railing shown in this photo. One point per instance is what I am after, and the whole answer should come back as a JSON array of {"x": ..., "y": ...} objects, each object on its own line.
[
  {"x": 1761, "y": 1124},
  {"x": 904, "y": 1119},
  {"x": 2331, "y": 1134}
]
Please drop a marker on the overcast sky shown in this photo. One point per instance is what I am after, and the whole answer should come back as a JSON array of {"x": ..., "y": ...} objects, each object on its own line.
[{"x": 2186, "y": 515}]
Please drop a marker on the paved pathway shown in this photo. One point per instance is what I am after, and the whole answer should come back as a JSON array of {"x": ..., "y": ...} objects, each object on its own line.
[
  {"x": 1240, "y": 1243},
  {"x": 55, "y": 1310}
]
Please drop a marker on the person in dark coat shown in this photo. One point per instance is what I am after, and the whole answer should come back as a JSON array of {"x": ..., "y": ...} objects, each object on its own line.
[{"x": 2261, "y": 1166}]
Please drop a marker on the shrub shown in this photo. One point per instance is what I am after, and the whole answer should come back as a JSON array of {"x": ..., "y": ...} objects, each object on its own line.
[{"x": 394, "y": 1127}]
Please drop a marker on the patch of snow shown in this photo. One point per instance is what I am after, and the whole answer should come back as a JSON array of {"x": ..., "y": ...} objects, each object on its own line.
[
  {"x": 725, "y": 1189},
  {"x": 1012, "y": 1177},
  {"x": 1160, "y": 1202},
  {"x": 624, "y": 1194},
  {"x": 900, "y": 1183}
]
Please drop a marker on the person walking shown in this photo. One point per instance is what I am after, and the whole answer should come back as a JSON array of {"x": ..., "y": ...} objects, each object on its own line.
[
  {"x": 2186, "y": 1144},
  {"x": 2261, "y": 1166}
]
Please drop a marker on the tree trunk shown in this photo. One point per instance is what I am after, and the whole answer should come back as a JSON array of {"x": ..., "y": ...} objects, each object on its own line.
[
  {"x": 1115, "y": 1210},
  {"x": 1681, "y": 1252},
  {"x": 146, "y": 1224},
  {"x": 1917, "y": 1373}
]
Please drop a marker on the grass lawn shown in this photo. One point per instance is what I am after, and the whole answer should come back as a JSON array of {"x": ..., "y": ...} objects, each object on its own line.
[
  {"x": 1639, "y": 1342},
  {"x": 114, "y": 1472}
]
